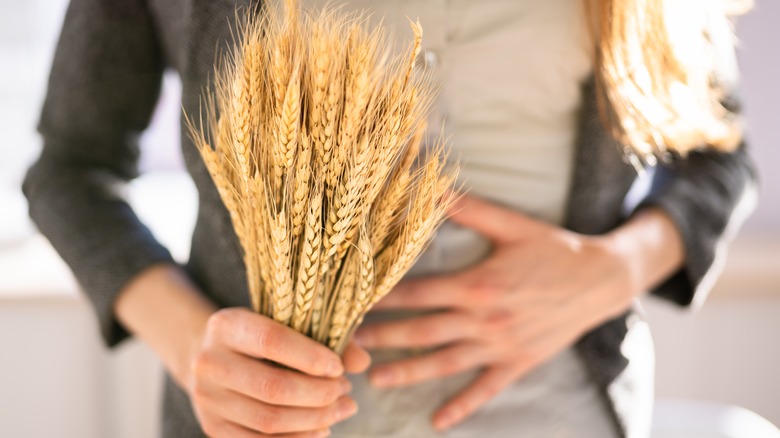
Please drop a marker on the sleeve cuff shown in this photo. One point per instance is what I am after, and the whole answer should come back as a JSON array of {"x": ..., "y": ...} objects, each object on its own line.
[
  {"x": 126, "y": 259},
  {"x": 706, "y": 230}
]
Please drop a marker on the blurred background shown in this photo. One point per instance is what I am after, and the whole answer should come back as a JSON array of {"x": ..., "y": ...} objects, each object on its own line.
[{"x": 57, "y": 380}]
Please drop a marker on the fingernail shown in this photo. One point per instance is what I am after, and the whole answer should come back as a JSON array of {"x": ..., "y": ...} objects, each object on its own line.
[
  {"x": 323, "y": 433},
  {"x": 334, "y": 368},
  {"x": 443, "y": 421},
  {"x": 383, "y": 377},
  {"x": 346, "y": 386},
  {"x": 347, "y": 408}
]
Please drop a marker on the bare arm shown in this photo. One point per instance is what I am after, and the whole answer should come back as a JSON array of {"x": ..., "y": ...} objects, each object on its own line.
[
  {"x": 652, "y": 247},
  {"x": 163, "y": 307}
]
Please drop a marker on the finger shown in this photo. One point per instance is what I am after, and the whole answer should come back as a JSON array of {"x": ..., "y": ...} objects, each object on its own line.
[
  {"x": 441, "y": 363},
  {"x": 483, "y": 389},
  {"x": 271, "y": 384},
  {"x": 261, "y": 337},
  {"x": 431, "y": 292},
  {"x": 356, "y": 359},
  {"x": 270, "y": 419},
  {"x": 494, "y": 221},
  {"x": 232, "y": 430},
  {"x": 421, "y": 331}
]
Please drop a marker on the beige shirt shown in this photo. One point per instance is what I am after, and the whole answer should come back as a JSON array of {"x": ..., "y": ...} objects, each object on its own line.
[{"x": 510, "y": 72}]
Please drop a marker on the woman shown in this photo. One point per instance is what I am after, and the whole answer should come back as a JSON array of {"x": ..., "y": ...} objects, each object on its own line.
[{"x": 518, "y": 320}]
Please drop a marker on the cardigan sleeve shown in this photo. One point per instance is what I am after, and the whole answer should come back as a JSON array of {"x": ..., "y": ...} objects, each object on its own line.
[
  {"x": 103, "y": 86},
  {"x": 708, "y": 195}
]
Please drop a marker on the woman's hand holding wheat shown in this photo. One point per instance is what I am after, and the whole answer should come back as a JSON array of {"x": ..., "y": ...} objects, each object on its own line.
[
  {"x": 236, "y": 392},
  {"x": 540, "y": 290}
]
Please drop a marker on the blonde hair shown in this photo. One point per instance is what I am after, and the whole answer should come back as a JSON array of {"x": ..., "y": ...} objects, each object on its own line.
[{"x": 662, "y": 70}]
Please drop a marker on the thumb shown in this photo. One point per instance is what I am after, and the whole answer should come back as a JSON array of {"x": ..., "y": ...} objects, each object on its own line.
[{"x": 498, "y": 223}]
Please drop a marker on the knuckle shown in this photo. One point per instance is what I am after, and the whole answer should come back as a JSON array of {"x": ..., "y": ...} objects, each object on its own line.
[
  {"x": 271, "y": 388},
  {"x": 486, "y": 288},
  {"x": 331, "y": 393},
  {"x": 269, "y": 338},
  {"x": 428, "y": 334},
  {"x": 328, "y": 416},
  {"x": 201, "y": 369},
  {"x": 197, "y": 391},
  {"x": 202, "y": 365},
  {"x": 220, "y": 320},
  {"x": 454, "y": 363},
  {"x": 489, "y": 390},
  {"x": 418, "y": 337},
  {"x": 450, "y": 366},
  {"x": 269, "y": 421}
]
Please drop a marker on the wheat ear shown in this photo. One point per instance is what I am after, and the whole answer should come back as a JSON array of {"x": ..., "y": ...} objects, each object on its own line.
[
  {"x": 300, "y": 190},
  {"x": 242, "y": 117},
  {"x": 281, "y": 268},
  {"x": 364, "y": 292},
  {"x": 393, "y": 202},
  {"x": 425, "y": 214},
  {"x": 345, "y": 292},
  {"x": 308, "y": 272},
  {"x": 316, "y": 157}
]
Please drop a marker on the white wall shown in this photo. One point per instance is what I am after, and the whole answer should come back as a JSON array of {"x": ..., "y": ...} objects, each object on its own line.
[
  {"x": 759, "y": 56},
  {"x": 726, "y": 353},
  {"x": 58, "y": 381}
]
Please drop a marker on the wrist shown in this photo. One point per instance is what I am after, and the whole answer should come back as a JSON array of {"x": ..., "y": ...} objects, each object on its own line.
[
  {"x": 187, "y": 345},
  {"x": 650, "y": 246},
  {"x": 625, "y": 254},
  {"x": 162, "y": 307}
]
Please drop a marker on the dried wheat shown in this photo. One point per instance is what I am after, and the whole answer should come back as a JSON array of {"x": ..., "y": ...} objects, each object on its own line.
[{"x": 313, "y": 139}]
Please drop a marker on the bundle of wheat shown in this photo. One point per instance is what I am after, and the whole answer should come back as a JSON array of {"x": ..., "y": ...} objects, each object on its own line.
[{"x": 313, "y": 139}]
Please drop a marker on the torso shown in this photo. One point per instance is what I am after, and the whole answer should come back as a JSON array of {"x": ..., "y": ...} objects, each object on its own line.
[
  {"x": 511, "y": 75},
  {"x": 531, "y": 101}
]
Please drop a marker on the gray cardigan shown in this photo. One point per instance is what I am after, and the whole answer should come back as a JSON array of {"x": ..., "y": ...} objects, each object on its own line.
[{"x": 103, "y": 87}]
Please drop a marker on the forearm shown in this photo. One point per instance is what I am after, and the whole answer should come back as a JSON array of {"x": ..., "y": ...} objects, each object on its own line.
[
  {"x": 165, "y": 309},
  {"x": 651, "y": 246}
]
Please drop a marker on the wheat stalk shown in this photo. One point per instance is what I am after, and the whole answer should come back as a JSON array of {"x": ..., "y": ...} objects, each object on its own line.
[{"x": 314, "y": 140}]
